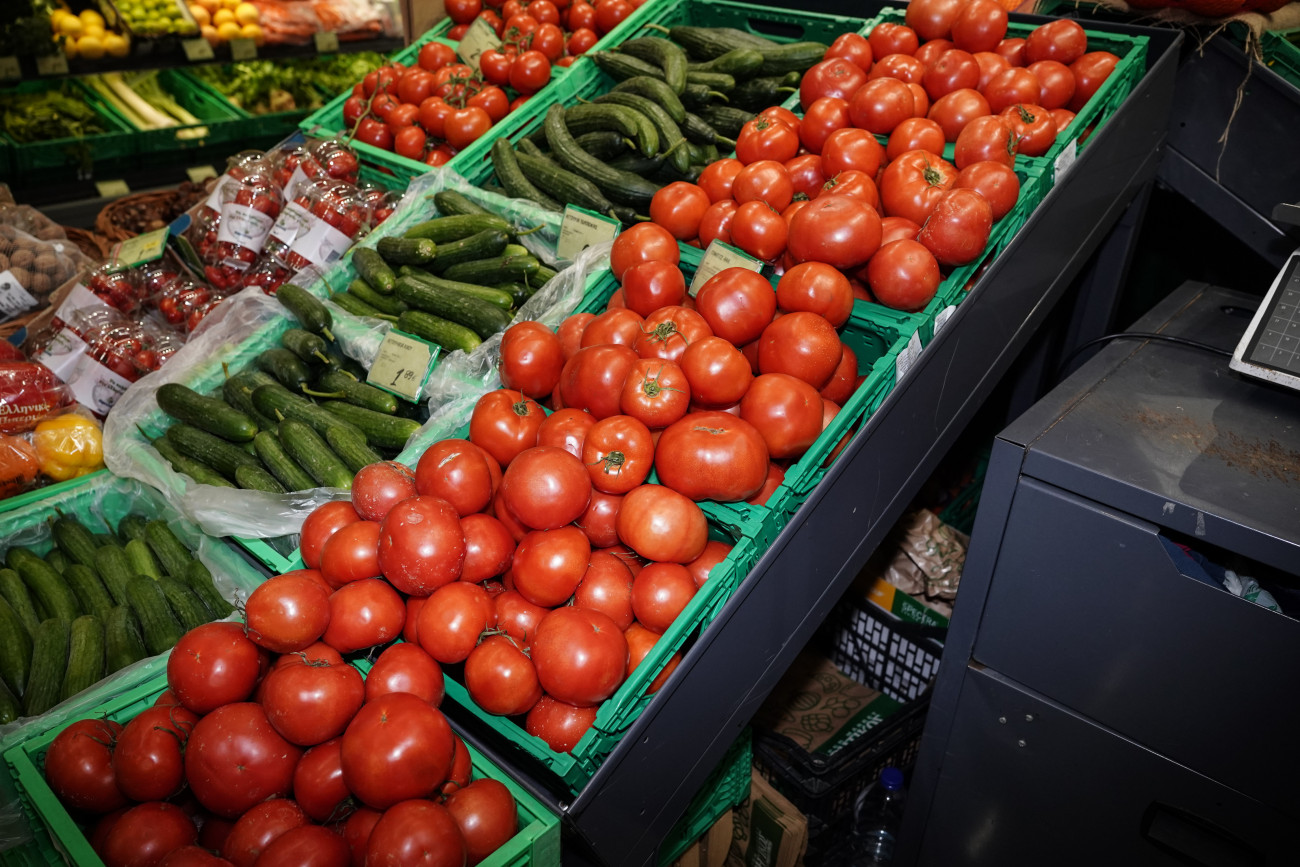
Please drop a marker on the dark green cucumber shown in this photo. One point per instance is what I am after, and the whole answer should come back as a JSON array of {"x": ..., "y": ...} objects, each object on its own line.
[
  {"x": 741, "y": 63},
  {"x": 57, "y": 559},
  {"x": 276, "y": 400},
  {"x": 718, "y": 82},
  {"x": 653, "y": 89},
  {"x": 15, "y": 649},
  {"x": 484, "y": 272},
  {"x": 406, "y": 251},
  {"x": 697, "y": 130},
  {"x": 14, "y": 591},
  {"x": 759, "y": 93},
  {"x": 200, "y": 581},
  {"x": 668, "y": 174},
  {"x": 664, "y": 53},
  {"x": 452, "y": 228},
  {"x": 74, "y": 540},
  {"x": 384, "y": 431},
  {"x": 114, "y": 568},
  {"x": 533, "y": 149},
  {"x": 131, "y": 527},
  {"x": 85, "y": 656},
  {"x": 313, "y": 454},
  {"x": 727, "y": 120},
  {"x": 453, "y": 202},
  {"x": 564, "y": 185},
  {"x": 352, "y": 448},
  {"x": 541, "y": 276},
  {"x": 283, "y": 467},
  {"x": 622, "y": 187},
  {"x": 122, "y": 642},
  {"x": 354, "y": 305},
  {"x": 482, "y": 245},
  {"x": 49, "y": 663},
  {"x": 372, "y": 268},
  {"x": 306, "y": 308},
  {"x": 519, "y": 292},
  {"x": 287, "y": 368},
  {"x": 211, "y": 450},
  {"x": 195, "y": 469},
  {"x": 696, "y": 96},
  {"x": 703, "y": 155},
  {"x": 158, "y": 625},
  {"x": 670, "y": 135},
  {"x": 46, "y": 585},
  {"x": 346, "y": 363},
  {"x": 170, "y": 551},
  {"x": 478, "y": 290},
  {"x": 11, "y": 708},
  {"x": 184, "y": 603},
  {"x": 606, "y": 144},
  {"x": 338, "y": 382},
  {"x": 211, "y": 414},
  {"x": 791, "y": 57},
  {"x": 513, "y": 179},
  {"x": 361, "y": 290},
  {"x": 237, "y": 391},
  {"x": 621, "y": 67},
  {"x": 257, "y": 479},
  {"x": 92, "y": 595},
  {"x": 457, "y": 305},
  {"x": 707, "y": 43},
  {"x": 447, "y": 334},
  {"x": 586, "y": 118},
  {"x": 310, "y": 348},
  {"x": 141, "y": 559}
]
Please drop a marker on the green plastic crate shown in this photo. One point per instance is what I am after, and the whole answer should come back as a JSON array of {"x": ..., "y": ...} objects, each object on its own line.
[
  {"x": 11, "y": 503},
  {"x": 726, "y": 787},
  {"x": 116, "y": 145},
  {"x": 778, "y": 24},
  {"x": 1282, "y": 55},
  {"x": 270, "y": 127},
  {"x": 537, "y": 843}
]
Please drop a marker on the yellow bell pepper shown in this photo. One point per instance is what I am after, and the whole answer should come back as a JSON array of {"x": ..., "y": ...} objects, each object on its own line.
[{"x": 68, "y": 446}]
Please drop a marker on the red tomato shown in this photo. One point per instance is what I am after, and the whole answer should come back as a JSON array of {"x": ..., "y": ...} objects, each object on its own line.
[
  {"x": 287, "y": 613},
  {"x": 954, "y": 69},
  {"x": 655, "y": 393},
  {"x": 484, "y": 810},
  {"x": 549, "y": 564},
  {"x": 930, "y": 50},
  {"x": 308, "y": 704},
  {"x": 380, "y": 486},
  {"x": 618, "y": 453},
  {"x": 764, "y": 138},
  {"x": 580, "y": 655},
  {"x": 610, "y": 14},
  {"x": 979, "y": 26},
  {"x": 354, "y": 108},
  {"x": 618, "y": 325},
  {"x": 714, "y": 553},
  {"x": 1033, "y": 126},
  {"x": 1013, "y": 50},
  {"x": 581, "y": 40},
  {"x": 461, "y": 767},
  {"x": 406, "y": 668},
  {"x": 807, "y": 175},
  {"x": 953, "y": 111},
  {"x": 530, "y": 72},
  {"x": 712, "y": 456},
  {"x": 414, "y": 86},
  {"x": 668, "y": 331},
  {"x": 1062, "y": 40},
  {"x": 396, "y": 747},
  {"x": 803, "y": 345},
  {"x": 640, "y": 641},
  {"x": 566, "y": 429},
  {"x": 421, "y": 546},
  {"x": 517, "y": 617},
  {"x": 843, "y": 383},
  {"x": 959, "y": 227},
  {"x": 463, "y": 11},
  {"x": 649, "y": 286},
  {"x": 452, "y": 620},
  {"x": 606, "y": 587},
  {"x": 495, "y": 66},
  {"x": 786, "y": 411},
  {"x": 546, "y": 487},
  {"x": 737, "y": 304},
  {"x": 213, "y": 665},
  {"x": 559, "y": 723},
  {"x": 818, "y": 288},
  {"x": 414, "y": 832},
  {"x": 493, "y": 100},
  {"x": 842, "y": 231},
  {"x": 320, "y": 525},
  {"x": 782, "y": 114},
  {"x": 1056, "y": 82},
  {"x": 661, "y": 592},
  {"x": 592, "y": 379},
  {"x": 1062, "y": 118},
  {"x": 904, "y": 67},
  {"x": 679, "y": 207},
  {"x": 991, "y": 64},
  {"x": 852, "y": 46},
  {"x": 235, "y": 759},
  {"x": 912, "y": 184},
  {"x": 887, "y": 38},
  {"x": 1090, "y": 71},
  {"x": 915, "y": 133},
  {"x": 435, "y": 55},
  {"x": 458, "y": 472},
  {"x": 853, "y": 182},
  {"x": 642, "y": 243},
  {"x": 598, "y": 522},
  {"x": 258, "y": 828},
  {"x": 351, "y": 554},
  {"x": 548, "y": 38},
  {"x": 1012, "y": 85},
  {"x": 464, "y": 126},
  {"x": 764, "y": 181},
  {"x": 501, "y": 678},
  {"x": 186, "y": 856},
  {"x": 834, "y": 76},
  {"x": 306, "y": 846},
  {"x": 370, "y": 597},
  {"x": 488, "y": 547},
  {"x": 145, "y": 834},
  {"x": 148, "y": 761},
  {"x": 823, "y": 117},
  {"x": 318, "y": 779},
  {"x": 78, "y": 766},
  {"x": 660, "y": 524},
  {"x": 356, "y": 833},
  {"x": 986, "y": 138},
  {"x": 894, "y": 228},
  {"x": 717, "y": 372},
  {"x": 880, "y": 105},
  {"x": 932, "y": 19},
  {"x": 375, "y": 133},
  {"x": 716, "y": 223},
  {"x": 995, "y": 182},
  {"x": 717, "y": 178},
  {"x": 759, "y": 231},
  {"x": 904, "y": 275},
  {"x": 504, "y": 423}
]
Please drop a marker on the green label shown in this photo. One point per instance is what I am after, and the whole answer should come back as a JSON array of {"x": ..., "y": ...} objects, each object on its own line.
[
  {"x": 719, "y": 257},
  {"x": 863, "y": 721},
  {"x": 327, "y": 41},
  {"x": 197, "y": 50},
  {"x": 141, "y": 248},
  {"x": 243, "y": 49},
  {"x": 581, "y": 228},
  {"x": 765, "y": 837},
  {"x": 403, "y": 364}
]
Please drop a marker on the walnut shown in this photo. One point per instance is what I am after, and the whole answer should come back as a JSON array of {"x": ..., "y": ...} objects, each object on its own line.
[
  {"x": 22, "y": 258},
  {"x": 22, "y": 275},
  {"x": 42, "y": 284},
  {"x": 48, "y": 263}
]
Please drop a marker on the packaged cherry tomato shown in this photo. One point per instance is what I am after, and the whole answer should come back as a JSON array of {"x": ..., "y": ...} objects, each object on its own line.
[
  {"x": 117, "y": 286},
  {"x": 381, "y": 202},
  {"x": 313, "y": 230},
  {"x": 249, "y": 209},
  {"x": 180, "y": 297},
  {"x": 313, "y": 159},
  {"x": 203, "y": 230}
]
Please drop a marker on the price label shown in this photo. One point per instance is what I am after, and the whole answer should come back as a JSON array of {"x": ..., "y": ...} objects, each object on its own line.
[
  {"x": 402, "y": 365},
  {"x": 327, "y": 42},
  {"x": 243, "y": 49},
  {"x": 141, "y": 248},
  {"x": 112, "y": 189},
  {"x": 719, "y": 257},
  {"x": 478, "y": 38},
  {"x": 197, "y": 50},
  {"x": 9, "y": 68},
  {"x": 908, "y": 356},
  {"x": 580, "y": 229},
  {"x": 941, "y": 318},
  {"x": 14, "y": 299},
  {"x": 1065, "y": 158},
  {"x": 199, "y": 174},
  {"x": 52, "y": 64}
]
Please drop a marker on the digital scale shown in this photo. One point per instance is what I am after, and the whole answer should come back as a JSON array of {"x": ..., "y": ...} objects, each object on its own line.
[{"x": 1270, "y": 348}]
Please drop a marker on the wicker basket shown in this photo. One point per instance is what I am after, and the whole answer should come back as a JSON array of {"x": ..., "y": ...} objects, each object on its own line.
[
  {"x": 94, "y": 245},
  {"x": 169, "y": 202}
]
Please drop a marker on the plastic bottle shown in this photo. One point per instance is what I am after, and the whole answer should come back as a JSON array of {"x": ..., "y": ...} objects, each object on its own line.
[{"x": 878, "y": 817}]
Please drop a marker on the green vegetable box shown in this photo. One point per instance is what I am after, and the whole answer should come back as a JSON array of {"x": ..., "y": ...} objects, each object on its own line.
[{"x": 60, "y": 131}]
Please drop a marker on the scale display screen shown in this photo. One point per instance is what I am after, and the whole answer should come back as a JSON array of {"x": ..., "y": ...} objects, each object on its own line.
[{"x": 1270, "y": 348}]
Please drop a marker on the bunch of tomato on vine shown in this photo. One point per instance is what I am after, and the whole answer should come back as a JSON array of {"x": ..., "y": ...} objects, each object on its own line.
[{"x": 820, "y": 186}]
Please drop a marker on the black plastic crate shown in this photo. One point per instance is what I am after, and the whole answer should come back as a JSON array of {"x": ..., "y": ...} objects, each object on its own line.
[{"x": 880, "y": 651}]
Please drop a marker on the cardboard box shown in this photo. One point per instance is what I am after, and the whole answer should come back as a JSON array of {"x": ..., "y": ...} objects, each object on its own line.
[
  {"x": 712, "y": 847},
  {"x": 769, "y": 831}
]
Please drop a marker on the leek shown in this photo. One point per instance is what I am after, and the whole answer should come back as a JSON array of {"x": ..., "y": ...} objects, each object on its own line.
[
  {"x": 152, "y": 118},
  {"x": 109, "y": 96},
  {"x": 147, "y": 86}
]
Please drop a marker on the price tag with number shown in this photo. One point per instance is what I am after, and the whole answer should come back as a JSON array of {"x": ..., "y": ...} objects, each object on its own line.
[
  {"x": 112, "y": 189},
  {"x": 719, "y": 257},
  {"x": 479, "y": 38},
  {"x": 403, "y": 364},
  {"x": 52, "y": 64},
  {"x": 197, "y": 50},
  {"x": 580, "y": 229},
  {"x": 141, "y": 248},
  {"x": 327, "y": 42},
  {"x": 243, "y": 49},
  {"x": 9, "y": 68}
]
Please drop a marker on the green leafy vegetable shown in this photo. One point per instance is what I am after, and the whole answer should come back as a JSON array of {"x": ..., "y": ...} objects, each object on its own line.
[
  {"x": 50, "y": 114},
  {"x": 263, "y": 86}
]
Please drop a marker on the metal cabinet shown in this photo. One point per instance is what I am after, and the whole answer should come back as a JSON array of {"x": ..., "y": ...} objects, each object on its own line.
[{"x": 1086, "y": 661}]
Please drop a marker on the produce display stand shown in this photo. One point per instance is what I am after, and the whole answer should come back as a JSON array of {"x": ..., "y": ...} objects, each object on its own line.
[{"x": 627, "y": 808}]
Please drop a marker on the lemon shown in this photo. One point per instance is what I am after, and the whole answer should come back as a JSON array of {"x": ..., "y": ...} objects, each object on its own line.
[
  {"x": 209, "y": 33},
  {"x": 253, "y": 32},
  {"x": 69, "y": 46},
  {"x": 211, "y": 5},
  {"x": 90, "y": 16},
  {"x": 57, "y": 16},
  {"x": 200, "y": 14},
  {"x": 94, "y": 30},
  {"x": 246, "y": 13},
  {"x": 90, "y": 47},
  {"x": 71, "y": 26},
  {"x": 229, "y": 4},
  {"x": 224, "y": 16},
  {"x": 115, "y": 45},
  {"x": 229, "y": 30}
]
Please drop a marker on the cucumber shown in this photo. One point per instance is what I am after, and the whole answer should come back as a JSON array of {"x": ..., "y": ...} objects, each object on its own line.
[
  {"x": 452, "y": 202},
  {"x": 90, "y": 591},
  {"x": 122, "y": 642},
  {"x": 698, "y": 131},
  {"x": 310, "y": 348},
  {"x": 487, "y": 272},
  {"x": 482, "y": 291},
  {"x": 667, "y": 55},
  {"x": 200, "y": 581},
  {"x": 791, "y": 57},
  {"x": 696, "y": 96},
  {"x": 354, "y": 305},
  {"x": 158, "y": 625},
  {"x": 513, "y": 179},
  {"x": 131, "y": 527},
  {"x": 542, "y": 276},
  {"x": 759, "y": 93},
  {"x": 49, "y": 663},
  {"x": 278, "y": 401},
  {"x": 286, "y": 367},
  {"x": 314, "y": 455},
  {"x": 15, "y": 649},
  {"x": 15, "y": 592},
  {"x": 668, "y": 174},
  {"x": 184, "y": 603},
  {"x": 237, "y": 391},
  {"x": 186, "y": 465},
  {"x": 211, "y": 414},
  {"x": 406, "y": 251},
  {"x": 46, "y": 585},
  {"x": 351, "y": 448},
  {"x": 607, "y": 144},
  {"x": 653, "y": 89},
  {"x": 74, "y": 540},
  {"x": 726, "y": 119},
  {"x": 307, "y": 309},
  {"x": 257, "y": 479},
  {"x": 718, "y": 82},
  {"x": 170, "y": 551},
  {"x": 115, "y": 569},
  {"x": 707, "y": 43},
  {"x": 519, "y": 292},
  {"x": 588, "y": 117},
  {"x": 447, "y": 334},
  {"x": 283, "y": 467},
  {"x": 741, "y": 63},
  {"x": 534, "y": 149},
  {"x": 361, "y": 290},
  {"x": 141, "y": 560},
  {"x": 445, "y": 300},
  {"x": 621, "y": 67},
  {"x": 622, "y": 187},
  {"x": 564, "y": 185},
  {"x": 453, "y": 228},
  {"x": 57, "y": 559},
  {"x": 345, "y": 363},
  {"x": 359, "y": 393},
  {"x": 480, "y": 245},
  {"x": 211, "y": 450},
  {"x": 671, "y": 141},
  {"x": 85, "y": 656},
  {"x": 10, "y": 707},
  {"x": 372, "y": 268},
  {"x": 384, "y": 431}
]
